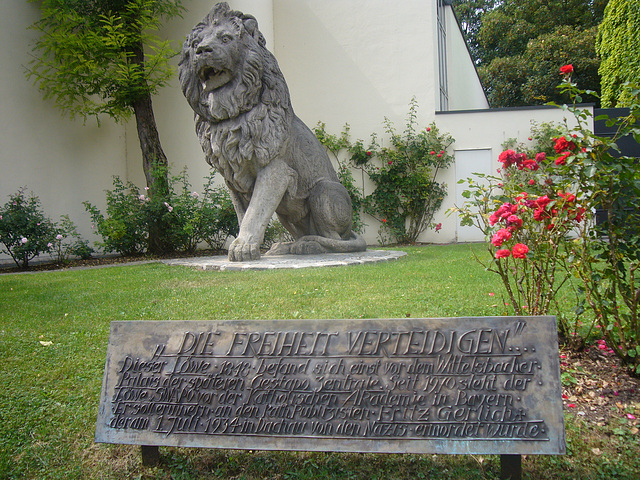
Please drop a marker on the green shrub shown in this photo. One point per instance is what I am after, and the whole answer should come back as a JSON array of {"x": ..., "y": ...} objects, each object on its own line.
[
  {"x": 188, "y": 217},
  {"x": 276, "y": 233},
  {"x": 217, "y": 219},
  {"x": 68, "y": 242},
  {"x": 406, "y": 194},
  {"x": 25, "y": 231},
  {"x": 124, "y": 229}
]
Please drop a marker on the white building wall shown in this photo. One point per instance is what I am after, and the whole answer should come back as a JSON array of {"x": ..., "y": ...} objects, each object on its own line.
[
  {"x": 465, "y": 89},
  {"x": 62, "y": 161}
]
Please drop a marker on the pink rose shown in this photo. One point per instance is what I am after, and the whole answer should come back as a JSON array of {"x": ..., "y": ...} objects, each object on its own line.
[{"x": 504, "y": 253}]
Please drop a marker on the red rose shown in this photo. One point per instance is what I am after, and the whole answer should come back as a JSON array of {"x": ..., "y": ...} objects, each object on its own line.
[
  {"x": 507, "y": 158},
  {"x": 439, "y": 227},
  {"x": 504, "y": 253},
  {"x": 500, "y": 236},
  {"x": 566, "y": 69},
  {"x": 513, "y": 220},
  {"x": 368, "y": 154},
  {"x": 543, "y": 201},
  {"x": 520, "y": 250},
  {"x": 562, "y": 159},
  {"x": 568, "y": 197},
  {"x": 562, "y": 144}
]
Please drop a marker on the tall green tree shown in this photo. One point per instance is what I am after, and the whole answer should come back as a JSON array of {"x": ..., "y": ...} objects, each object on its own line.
[
  {"x": 619, "y": 48},
  {"x": 104, "y": 57},
  {"x": 470, "y": 14},
  {"x": 523, "y": 43}
]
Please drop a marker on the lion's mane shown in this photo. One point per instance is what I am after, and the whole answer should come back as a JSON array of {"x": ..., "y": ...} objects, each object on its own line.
[{"x": 246, "y": 120}]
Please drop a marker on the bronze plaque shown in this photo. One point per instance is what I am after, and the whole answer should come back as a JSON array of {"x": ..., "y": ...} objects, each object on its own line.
[{"x": 435, "y": 385}]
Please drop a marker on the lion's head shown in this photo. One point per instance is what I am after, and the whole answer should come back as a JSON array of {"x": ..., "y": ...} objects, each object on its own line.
[
  {"x": 222, "y": 66},
  {"x": 233, "y": 83}
]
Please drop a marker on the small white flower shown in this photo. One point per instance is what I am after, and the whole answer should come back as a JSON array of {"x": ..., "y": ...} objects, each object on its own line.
[
  {"x": 169, "y": 207},
  {"x": 59, "y": 237},
  {"x": 49, "y": 245},
  {"x": 195, "y": 194},
  {"x": 141, "y": 197},
  {"x": 23, "y": 240}
]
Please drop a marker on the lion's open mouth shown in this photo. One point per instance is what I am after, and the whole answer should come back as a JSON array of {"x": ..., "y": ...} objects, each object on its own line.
[{"x": 213, "y": 78}]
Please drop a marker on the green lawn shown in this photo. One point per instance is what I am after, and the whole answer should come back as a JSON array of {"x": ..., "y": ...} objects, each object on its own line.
[{"x": 54, "y": 329}]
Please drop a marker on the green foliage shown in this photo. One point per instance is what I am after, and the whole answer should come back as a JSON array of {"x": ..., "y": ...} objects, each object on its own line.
[
  {"x": 90, "y": 54},
  {"x": 276, "y": 233},
  {"x": 68, "y": 242},
  {"x": 607, "y": 255},
  {"x": 217, "y": 218},
  {"x": 334, "y": 145},
  {"x": 188, "y": 216},
  {"x": 123, "y": 230},
  {"x": 470, "y": 14},
  {"x": 618, "y": 45},
  {"x": 25, "y": 231},
  {"x": 530, "y": 77},
  {"x": 406, "y": 194},
  {"x": 522, "y": 44}
]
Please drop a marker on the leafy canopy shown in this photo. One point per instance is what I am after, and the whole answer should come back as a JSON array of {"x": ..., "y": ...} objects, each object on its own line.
[
  {"x": 619, "y": 47},
  {"x": 523, "y": 43},
  {"x": 91, "y": 58}
]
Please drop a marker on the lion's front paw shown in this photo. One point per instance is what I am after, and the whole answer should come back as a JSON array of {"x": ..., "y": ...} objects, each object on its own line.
[{"x": 241, "y": 251}]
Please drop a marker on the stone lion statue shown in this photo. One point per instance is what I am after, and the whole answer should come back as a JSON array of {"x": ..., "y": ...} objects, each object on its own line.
[{"x": 270, "y": 160}]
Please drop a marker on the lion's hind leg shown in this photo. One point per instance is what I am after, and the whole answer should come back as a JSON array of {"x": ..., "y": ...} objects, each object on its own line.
[{"x": 329, "y": 224}]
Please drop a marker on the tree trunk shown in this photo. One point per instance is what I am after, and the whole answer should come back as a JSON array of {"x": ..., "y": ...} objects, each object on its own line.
[{"x": 154, "y": 161}]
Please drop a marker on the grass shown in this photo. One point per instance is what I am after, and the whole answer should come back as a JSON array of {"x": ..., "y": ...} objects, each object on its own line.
[{"x": 54, "y": 329}]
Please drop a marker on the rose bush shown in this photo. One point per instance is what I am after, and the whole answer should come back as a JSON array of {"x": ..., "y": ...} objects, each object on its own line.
[
  {"x": 540, "y": 219},
  {"x": 407, "y": 194}
]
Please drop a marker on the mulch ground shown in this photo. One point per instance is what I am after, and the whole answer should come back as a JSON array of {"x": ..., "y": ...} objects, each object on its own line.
[{"x": 596, "y": 387}]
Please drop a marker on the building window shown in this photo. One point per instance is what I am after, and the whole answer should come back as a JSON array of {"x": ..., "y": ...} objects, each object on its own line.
[{"x": 442, "y": 54}]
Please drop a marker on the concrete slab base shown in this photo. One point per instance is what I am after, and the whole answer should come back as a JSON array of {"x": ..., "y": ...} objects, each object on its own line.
[{"x": 222, "y": 263}]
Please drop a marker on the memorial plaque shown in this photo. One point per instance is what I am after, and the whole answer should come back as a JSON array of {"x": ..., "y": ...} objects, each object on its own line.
[{"x": 441, "y": 385}]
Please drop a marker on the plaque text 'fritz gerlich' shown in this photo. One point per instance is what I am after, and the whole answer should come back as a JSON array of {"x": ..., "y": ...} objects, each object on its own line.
[{"x": 457, "y": 385}]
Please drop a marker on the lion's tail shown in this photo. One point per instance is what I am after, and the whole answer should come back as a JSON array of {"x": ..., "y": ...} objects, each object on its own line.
[{"x": 355, "y": 243}]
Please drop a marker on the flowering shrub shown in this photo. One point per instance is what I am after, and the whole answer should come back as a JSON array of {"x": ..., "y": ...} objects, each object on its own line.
[
  {"x": 406, "y": 194},
  {"x": 25, "y": 231},
  {"x": 67, "y": 242},
  {"x": 124, "y": 228},
  {"x": 539, "y": 217},
  {"x": 189, "y": 217},
  {"x": 527, "y": 219}
]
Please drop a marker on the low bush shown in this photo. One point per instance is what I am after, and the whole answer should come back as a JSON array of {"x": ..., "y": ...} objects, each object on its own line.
[
  {"x": 25, "y": 231},
  {"x": 188, "y": 217}
]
